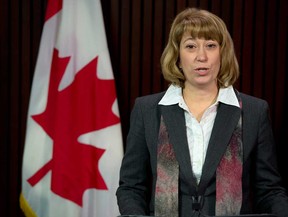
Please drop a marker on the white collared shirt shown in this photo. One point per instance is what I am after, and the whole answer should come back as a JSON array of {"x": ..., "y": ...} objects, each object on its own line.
[{"x": 198, "y": 133}]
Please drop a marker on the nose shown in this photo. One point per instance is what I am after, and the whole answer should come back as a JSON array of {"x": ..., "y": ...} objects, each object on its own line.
[{"x": 201, "y": 54}]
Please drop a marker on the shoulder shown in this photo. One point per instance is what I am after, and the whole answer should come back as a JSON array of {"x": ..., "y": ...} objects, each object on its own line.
[
  {"x": 149, "y": 101},
  {"x": 146, "y": 107},
  {"x": 249, "y": 99},
  {"x": 251, "y": 103}
]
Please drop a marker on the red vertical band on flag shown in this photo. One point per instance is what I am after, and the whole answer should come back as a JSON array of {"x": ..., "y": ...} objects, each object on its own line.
[{"x": 52, "y": 8}]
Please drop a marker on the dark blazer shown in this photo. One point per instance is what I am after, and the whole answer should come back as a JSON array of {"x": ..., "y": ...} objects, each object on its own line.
[{"x": 262, "y": 192}]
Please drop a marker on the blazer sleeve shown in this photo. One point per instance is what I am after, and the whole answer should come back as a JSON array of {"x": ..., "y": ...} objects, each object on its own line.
[
  {"x": 271, "y": 197},
  {"x": 132, "y": 191}
]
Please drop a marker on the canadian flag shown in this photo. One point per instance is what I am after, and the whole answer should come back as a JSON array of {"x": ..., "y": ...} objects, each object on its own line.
[{"x": 73, "y": 146}]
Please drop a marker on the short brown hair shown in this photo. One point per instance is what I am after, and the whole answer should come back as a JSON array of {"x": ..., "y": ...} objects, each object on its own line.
[{"x": 200, "y": 24}]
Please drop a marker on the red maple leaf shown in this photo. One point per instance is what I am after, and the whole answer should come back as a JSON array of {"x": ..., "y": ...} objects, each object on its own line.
[{"x": 82, "y": 107}]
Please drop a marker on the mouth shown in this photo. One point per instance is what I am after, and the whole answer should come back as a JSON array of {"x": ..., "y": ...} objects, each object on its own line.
[{"x": 201, "y": 70}]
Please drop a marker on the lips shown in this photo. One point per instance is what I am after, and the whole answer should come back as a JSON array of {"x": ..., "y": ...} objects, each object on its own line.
[{"x": 201, "y": 70}]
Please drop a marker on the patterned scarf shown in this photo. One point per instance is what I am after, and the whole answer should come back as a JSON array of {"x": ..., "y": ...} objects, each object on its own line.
[
  {"x": 166, "y": 193},
  {"x": 228, "y": 176}
]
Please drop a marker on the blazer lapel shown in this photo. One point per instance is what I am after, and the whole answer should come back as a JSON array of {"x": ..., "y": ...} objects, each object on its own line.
[
  {"x": 225, "y": 122},
  {"x": 175, "y": 122}
]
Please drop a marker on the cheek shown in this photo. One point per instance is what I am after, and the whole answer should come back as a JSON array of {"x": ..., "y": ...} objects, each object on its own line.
[
  {"x": 217, "y": 63},
  {"x": 185, "y": 61}
]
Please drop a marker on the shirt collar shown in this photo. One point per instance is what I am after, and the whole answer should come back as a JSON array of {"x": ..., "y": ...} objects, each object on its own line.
[{"x": 174, "y": 96}]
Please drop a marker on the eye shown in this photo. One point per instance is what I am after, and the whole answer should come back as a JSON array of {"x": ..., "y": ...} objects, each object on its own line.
[
  {"x": 190, "y": 46},
  {"x": 212, "y": 45}
]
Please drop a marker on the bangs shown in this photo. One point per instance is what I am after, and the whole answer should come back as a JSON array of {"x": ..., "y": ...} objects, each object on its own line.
[{"x": 202, "y": 28}]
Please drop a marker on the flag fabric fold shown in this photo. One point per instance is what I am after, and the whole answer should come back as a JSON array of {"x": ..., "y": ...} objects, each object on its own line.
[{"x": 73, "y": 146}]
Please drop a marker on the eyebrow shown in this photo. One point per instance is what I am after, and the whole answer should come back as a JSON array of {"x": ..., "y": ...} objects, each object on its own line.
[
  {"x": 193, "y": 39},
  {"x": 187, "y": 39}
]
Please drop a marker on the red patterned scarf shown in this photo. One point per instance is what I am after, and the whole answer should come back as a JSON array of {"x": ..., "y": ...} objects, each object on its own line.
[
  {"x": 229, "y": 176},
  {"x": 166, "y": 193}
]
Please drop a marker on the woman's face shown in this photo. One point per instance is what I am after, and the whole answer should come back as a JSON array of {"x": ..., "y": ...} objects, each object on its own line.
[{"x": 200, "y": 61}]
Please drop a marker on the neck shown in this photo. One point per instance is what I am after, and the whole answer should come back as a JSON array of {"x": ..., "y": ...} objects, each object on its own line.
[
  {"x": 199, "y": 100},
  {"x": 198, "y": 95}
]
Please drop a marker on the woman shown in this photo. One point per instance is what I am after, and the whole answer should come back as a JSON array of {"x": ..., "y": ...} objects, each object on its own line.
[{"x": 201, "y": 146}]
